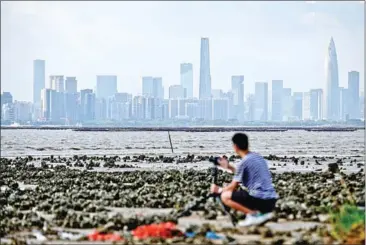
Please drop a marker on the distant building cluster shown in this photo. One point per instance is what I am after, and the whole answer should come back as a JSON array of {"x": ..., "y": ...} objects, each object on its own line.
[{"x": 62, "y": 103}]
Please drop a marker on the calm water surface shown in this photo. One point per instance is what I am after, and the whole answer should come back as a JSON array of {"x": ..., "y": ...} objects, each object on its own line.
[{"x": 68, "y": 142}]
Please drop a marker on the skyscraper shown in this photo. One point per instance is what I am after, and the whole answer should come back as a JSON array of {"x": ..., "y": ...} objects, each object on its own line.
[
  {"x": 22, "y": 111},
  {"x": 38, "y": 80},
  {"x": 139, "y": 107},
  {"x": 7, "y": 107},
  {"x": 173, "y": 108},
  {"x": 230, "y": 97},
  {"x": 147, "y": 86},
  {"x": 277, "y": 97},
  {"x": 343, "y": 105},
  {"x": 354, "y": 95},
  {"x": 205, "y": 74},
  {"x": 71, "y": 107},
  {"x": 57, "y": 83},
  {"x": 251, "y": 107},
  {"x": 191, "y": 110},
  {"x": 119, "y": 106},
  {"x": 316, "y": 99},
  {"x": 6, "y": 98},
  {"x": 220, "y": 109},
  {"x": 237, "y": 88},
  {"x": 286, "y": 103},
  {"x": 297, "y": 105},
  {"x": 261, "y": 101},
  {"x": 362, "y": 105},
  {"x": 46, "y": 103},
  {"x": 51, "y": 110},
  {"x": 90, "y": 103},
  {"x": 306, "y": 115},
  {"x": 176, "y": 92},
  {"x": 7, "y": 112},
  {"x": 84, "y": 103},
  {"x": 100, "y": 109},
  {"x": 71, "y": 85},
  {"x": 71, "y": 99},
  {"x": 205, "y": 109},
  {"x": 332, "y": 94},
  {"x": 216, "y": 93},
  {"x": 158, "y": 88},
  {"x": 153, "y": 87},
  {"x": 186, "y": 79},
  {"x": 106, "y": 86}
]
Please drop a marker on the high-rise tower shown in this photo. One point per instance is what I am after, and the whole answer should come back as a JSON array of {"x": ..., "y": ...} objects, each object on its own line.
[
  {"x": 237, "y": 88},
  {"x": 353, "y": 100},
  {"x": 186, "y": 79},
  {"x": 38, "y": 80},
  {"x": 277, "y": 97},
  {"x": 205, "y": 75},
  {"x": 332, "y": 94}
]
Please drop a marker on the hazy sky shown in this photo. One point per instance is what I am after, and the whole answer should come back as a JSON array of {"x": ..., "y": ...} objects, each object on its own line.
[{"x": 263, "y": 41}]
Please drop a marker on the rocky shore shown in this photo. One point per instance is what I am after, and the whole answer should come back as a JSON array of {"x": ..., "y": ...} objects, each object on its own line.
[{"x": 53, "y": 193}]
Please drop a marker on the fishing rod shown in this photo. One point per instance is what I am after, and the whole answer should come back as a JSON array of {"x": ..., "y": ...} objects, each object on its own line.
[{"x": 170, "y": 140}]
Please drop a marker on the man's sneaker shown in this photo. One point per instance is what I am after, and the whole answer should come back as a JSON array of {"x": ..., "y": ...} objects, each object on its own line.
[{"x": 255, "y": 219}]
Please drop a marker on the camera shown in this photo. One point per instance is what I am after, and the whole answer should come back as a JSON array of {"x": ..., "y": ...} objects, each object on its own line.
[{"x": 215, "y": 160}]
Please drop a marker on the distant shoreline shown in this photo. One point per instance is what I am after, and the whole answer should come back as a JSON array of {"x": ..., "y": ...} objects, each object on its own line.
[{"x": 195, "y": 128}]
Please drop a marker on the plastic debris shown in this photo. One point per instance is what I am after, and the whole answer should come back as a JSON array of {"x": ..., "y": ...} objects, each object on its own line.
[
  {"x": 212, "y": 235},
  {"x": 190, "y": 234},
  {"x": 39, "y": 236},
  {"x": 100, "y": 236},
  {"x": 70, "y": 236},
  {"x": 161, "y": 230},
  {"x": 209, "y": 235}
]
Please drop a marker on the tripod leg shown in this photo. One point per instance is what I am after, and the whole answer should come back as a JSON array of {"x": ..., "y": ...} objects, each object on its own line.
[{"x": 227, "y": 211}]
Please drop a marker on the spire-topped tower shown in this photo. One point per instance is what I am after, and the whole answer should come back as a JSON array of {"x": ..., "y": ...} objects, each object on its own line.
[{"x": 332, "y": 85}]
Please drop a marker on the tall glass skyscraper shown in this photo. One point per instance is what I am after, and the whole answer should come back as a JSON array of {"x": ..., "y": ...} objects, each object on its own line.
[
  {"x": 353, "y": 95},
  {"x": 186, "y": 79},
  {"x": 39, "y": 80},
  {"x": 286, "y": 104},
  {"x": 332, "y": 103},
  {"x": 261, "y": 101},
  {"x": 316, "y": 97},
  {"x": 71, "y": 85},
  {"x": 297, "y": 99},
  {"x": 205, "y": 75},
  {"x": 277, "y": 95},
  {"x": 153, "y": 87},
  {"x": 106, "y": 86},
  {"x": 237, "y": 88}
]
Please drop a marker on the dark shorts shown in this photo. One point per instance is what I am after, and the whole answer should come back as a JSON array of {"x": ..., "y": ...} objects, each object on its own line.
[{"x": 262, "y": 205}]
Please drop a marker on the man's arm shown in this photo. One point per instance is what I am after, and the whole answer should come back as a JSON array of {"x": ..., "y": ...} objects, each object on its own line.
[
  {"x": 224, "y": 163},
  {"x": 231, "y": 187}
]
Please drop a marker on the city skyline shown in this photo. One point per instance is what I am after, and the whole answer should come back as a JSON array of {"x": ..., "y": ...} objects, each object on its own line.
[
  {"x": 259, "y": 54},
  {"x": 62, "y": 103},
  {"x": 153, "y": 86}
]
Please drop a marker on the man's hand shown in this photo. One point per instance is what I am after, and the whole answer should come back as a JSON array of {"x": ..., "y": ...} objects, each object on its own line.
[
  {"x": 224, "y": 163},
  {"x": 215, "y": 188}
]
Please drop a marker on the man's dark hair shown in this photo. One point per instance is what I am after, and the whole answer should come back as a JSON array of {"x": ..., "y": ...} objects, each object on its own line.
[{"x": 241, "y": 141}]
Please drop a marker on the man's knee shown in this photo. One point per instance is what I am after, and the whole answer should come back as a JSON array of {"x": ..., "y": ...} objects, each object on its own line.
[{"x": 226, "y": 196}]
